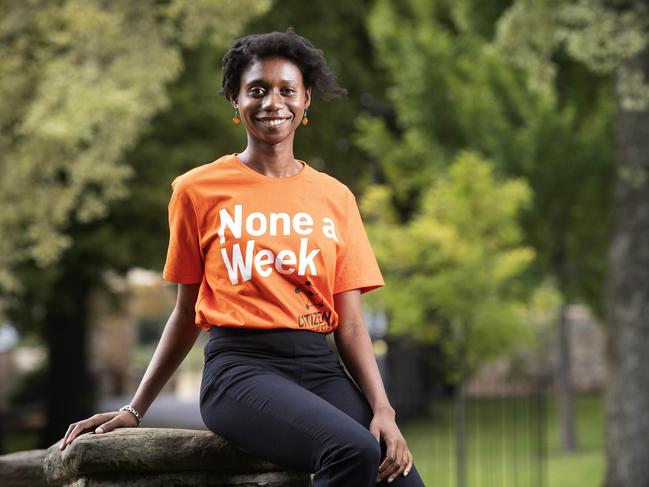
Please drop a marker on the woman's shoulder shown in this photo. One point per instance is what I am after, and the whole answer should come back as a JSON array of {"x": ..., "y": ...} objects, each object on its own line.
[{"x": 199, "y": 173}]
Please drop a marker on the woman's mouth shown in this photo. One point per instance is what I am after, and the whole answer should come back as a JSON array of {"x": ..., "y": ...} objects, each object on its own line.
[{"x": 272, "y": 122}]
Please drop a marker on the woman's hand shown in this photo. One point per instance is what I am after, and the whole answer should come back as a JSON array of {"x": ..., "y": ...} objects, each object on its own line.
[
  {"x": 100, "y": 423},
  {"x": 397, "y": 456}
]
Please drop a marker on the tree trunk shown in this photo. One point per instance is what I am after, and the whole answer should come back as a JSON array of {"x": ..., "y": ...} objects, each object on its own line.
[
  {"x": 564, "y": 383},
  {"x": 626, "y": 300},
  {"x": 70, "y": 394}
]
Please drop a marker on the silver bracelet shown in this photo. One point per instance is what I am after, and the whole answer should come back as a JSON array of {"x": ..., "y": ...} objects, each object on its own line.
[{"x": 132, "y": 410}]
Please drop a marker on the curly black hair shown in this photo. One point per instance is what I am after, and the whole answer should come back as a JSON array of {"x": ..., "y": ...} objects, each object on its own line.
[{"x": 309, "y": 59}]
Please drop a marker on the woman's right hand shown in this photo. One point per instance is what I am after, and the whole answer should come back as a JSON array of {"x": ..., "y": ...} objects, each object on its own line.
[{"x": 100, "y": 423}]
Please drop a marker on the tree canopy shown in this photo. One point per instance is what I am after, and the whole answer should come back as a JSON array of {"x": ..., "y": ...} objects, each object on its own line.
[{"x": 79, "y": 82}]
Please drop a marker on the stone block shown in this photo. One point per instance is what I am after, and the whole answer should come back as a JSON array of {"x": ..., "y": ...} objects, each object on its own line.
[
  {"x": 138, "y": 457},
  {"x": 23, "y": 469}
]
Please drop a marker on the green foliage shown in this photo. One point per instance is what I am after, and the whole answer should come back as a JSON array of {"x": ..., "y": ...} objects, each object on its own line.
[
  {"x": 598, "y": 33},
  {"x": 79, "y": 82},
  {"x": 567, "y": 156},
  {"x": 453, "y": 270},
  {"x": 452, "y": 89},
  {"x": 475, "y": 264},
  {"x": 571, "y": 221}
]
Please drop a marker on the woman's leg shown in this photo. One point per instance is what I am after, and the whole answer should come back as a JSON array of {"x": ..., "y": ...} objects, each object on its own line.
[
  {"x": 328, "y": 380},
  {"x": 266, "y": 413}
]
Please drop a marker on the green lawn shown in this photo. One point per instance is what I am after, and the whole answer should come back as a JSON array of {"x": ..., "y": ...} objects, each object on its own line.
[{"x": 502, "y": 446}]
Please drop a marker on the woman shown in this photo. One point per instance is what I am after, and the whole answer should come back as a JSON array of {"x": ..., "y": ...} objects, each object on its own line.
[{"x": 270, "y": 256}]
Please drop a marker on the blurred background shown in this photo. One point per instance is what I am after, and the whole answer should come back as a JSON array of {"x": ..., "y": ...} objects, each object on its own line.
[{"x": 498, "y": 152}]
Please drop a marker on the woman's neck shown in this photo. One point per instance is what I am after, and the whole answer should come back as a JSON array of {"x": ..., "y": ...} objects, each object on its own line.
[{"x": 271, "y": 160}]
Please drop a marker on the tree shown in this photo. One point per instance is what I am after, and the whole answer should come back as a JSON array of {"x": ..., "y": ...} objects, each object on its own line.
[
  {"x": 80, "y": 83},
  {"x": 452, "y": 88},
  {"x": 610, "y": 36},
  {"x": 454, "y": 269}
]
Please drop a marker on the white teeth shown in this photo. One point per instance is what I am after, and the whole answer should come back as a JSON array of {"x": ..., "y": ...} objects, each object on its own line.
[{"x": 273, "y": 122}]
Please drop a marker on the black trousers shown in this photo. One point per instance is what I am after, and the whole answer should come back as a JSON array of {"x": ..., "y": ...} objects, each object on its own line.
[{"x": 281, "y": 394}]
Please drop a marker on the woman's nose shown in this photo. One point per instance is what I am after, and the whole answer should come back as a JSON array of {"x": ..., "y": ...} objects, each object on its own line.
[{"x": 272, "y": 101}]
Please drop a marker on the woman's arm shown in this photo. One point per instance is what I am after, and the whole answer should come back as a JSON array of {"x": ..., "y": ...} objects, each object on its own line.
[
  {"x": 179, "y": 335},
  {"x": 178, "y": 338},
  {"x": 355, "y": 348}
]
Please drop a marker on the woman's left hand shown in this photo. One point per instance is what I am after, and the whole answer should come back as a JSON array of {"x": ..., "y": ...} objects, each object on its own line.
[{"x": 397, "y": 456}]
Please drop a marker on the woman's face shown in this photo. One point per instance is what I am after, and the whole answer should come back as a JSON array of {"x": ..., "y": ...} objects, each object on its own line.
[{"x": 272, "y": 99}]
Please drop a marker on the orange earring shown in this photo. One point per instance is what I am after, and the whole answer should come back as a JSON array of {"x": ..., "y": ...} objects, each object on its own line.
[
  {"x": 236, "y": 120},
  {"x": 305, "y": 120}
]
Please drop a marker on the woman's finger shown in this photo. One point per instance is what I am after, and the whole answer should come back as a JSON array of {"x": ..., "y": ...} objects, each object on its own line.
[
  {"x": 107, "y": 426},
  {"x": 123, "y": 420},
  {"x": 388, "y": 466},
  {"x": 409, "y": 465},
  {"x": 77, "y": 427},
  {"x": 390, "y": 455},
  {"x": 387, "y": 461},
  {"x": 80, "y": 427},
  {"x": 397, "y": 464},
  {"x": 67, "y": 434},
  {"x": 403, "y": 460},
  {"x": 382, "y": 468}
]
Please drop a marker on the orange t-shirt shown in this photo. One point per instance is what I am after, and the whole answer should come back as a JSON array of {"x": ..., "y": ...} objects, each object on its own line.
[{"x": 269, "y": 252}]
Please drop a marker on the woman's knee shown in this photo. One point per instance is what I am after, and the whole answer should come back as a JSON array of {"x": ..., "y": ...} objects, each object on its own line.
[
  {"x": 370, "y": 451},
  {"x": 362, "y": 449}
]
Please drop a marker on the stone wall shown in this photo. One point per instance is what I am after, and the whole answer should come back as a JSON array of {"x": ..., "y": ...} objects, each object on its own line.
[
  {"x": 145, "y": 457},
  {"x": 23, "y": 469}
]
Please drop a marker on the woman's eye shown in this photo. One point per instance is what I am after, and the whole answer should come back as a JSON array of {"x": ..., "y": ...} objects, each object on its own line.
[
  {"x": 289, "y": 91},
  {"x": 256, "y": 91}
]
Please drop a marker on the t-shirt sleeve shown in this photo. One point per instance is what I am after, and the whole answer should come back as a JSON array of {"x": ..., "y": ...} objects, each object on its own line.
[
  {"x": 356, "y": 265},
  {"x": 184, "y": 263}
]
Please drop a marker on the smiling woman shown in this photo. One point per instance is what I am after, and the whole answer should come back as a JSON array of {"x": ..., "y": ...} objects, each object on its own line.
[
  {"x": 269, "y": 80},
  {"x": 271, "y": 256},
  {"x": 272, "y": 101}
]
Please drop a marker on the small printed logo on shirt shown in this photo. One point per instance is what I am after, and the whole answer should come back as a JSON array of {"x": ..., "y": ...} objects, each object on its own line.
[
  {"x": 316, "y": 317},
  {"x": 309, "y": 295}
]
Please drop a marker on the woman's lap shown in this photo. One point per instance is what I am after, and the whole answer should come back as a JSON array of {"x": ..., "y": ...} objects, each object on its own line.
[
  {"x": 291, "y": 412},
  {"x": 269, "y": 415}
]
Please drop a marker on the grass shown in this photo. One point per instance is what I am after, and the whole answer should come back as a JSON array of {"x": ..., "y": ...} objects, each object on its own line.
[
  {"x": 503, "y": 446},
  {"x": 586, "y": 467}
]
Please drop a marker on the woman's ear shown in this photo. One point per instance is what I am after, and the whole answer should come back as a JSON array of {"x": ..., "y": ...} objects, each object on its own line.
[
  {"x": 234, "y": 102},
  {"x": 307, "y": 97}
]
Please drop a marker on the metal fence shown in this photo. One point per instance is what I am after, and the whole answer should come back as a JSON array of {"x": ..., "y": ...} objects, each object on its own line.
[
  {"x": 482, "y": 436},
  {"x": 495, "y": 441}
]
